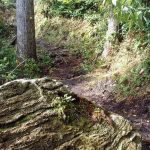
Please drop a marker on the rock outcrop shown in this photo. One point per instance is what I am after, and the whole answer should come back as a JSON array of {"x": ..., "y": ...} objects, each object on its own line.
[{"x": 42, "y": 114}]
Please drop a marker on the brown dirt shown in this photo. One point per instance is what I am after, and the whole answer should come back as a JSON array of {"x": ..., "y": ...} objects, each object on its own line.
[
  {"x": 99, "y": 90},
  {"x": 66, "y": 65}
]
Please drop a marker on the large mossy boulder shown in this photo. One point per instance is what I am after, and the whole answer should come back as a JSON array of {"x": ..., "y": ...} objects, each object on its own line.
[{"x": 42, "y": 114}]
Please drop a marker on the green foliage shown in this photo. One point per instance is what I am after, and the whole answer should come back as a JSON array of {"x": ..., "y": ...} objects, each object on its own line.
[
  {"x": 7, "y": 61},
  {"x": 62, "y": 105},
  {"x": 10, "y": 69},
  {"x": 70, "y": 8},
  {"x": 46, "y": 60},
  {"x": 135, "y": 11},
  {"x": 137, "y": 77},
  {"x": 9, "y": 3},
  {"x": 31, "y": 69},
  {"x": 3, "y": 28}
]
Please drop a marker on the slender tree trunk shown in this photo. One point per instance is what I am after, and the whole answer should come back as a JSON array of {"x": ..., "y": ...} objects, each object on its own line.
[
  {"x": 112, "y": 29},
  {"x": 146, "y": 2},
  {"x": 26, "y": 46}
]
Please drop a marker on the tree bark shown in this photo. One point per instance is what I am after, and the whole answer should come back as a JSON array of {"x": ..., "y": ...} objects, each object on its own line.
[
  {"x": 112, "y": 29},
  {"x": 30, "y": 119},
  {"x": 26, "y": 45}
]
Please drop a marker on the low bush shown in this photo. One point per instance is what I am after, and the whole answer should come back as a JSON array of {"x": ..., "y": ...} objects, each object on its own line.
[
  {"x": 10, "y": 69},
  {"x": 70, "y": 8},
  {"x": 137, "y": 77}
]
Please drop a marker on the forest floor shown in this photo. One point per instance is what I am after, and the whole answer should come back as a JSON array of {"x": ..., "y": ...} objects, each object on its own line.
[{"x": 98, "y": 87}]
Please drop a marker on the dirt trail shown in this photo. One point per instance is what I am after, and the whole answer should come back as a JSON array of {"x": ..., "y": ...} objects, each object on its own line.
[
  {"x": 66, "y": 65},
  {"x": 101, "y": 92},
  {"x": 99, "y": 89}
]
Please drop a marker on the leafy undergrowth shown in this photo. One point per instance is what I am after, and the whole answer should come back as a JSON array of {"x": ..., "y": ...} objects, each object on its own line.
[
  {"x": 128, "y": 64},
  {"x": 81, "y": 38},
  {"x": 10, "y": 69}
]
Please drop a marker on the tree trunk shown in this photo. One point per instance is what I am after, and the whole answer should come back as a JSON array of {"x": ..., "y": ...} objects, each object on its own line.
[
  {"x": 112, "y": 29},
  {"x": 31, "y": 118},
  {"x": 146, "y": 2},
  {"x": 26, "y": 46}
]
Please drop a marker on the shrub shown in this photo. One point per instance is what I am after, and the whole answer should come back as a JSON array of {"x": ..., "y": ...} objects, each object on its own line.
[
  {"x": 64, "y": 104},
  {"x": 7, "y": 61},
  {"x": 70, "y": 8},
  {"x": 10, "y": 69},
  {"x": 137, "y": 77},
  {"x": 31, "y": 69}
]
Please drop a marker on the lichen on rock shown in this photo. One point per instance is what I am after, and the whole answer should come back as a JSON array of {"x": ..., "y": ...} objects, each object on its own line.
[{"x": 32, "y": 117}]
